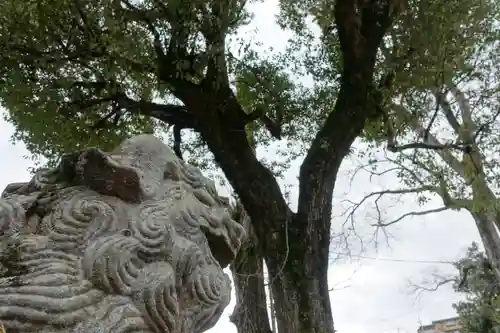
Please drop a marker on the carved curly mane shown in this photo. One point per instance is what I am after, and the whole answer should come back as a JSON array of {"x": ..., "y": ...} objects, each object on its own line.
[{"x": 130, "y": 241}]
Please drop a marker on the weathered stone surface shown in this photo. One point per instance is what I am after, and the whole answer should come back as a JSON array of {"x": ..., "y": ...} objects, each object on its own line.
[{"x": 130, "y": 241}]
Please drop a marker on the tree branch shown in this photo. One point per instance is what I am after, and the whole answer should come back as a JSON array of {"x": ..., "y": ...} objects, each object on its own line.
[
  {"x": 448, "y": 112},
  {"x": 441, "y": 190},
  {"x": 348, "y": 23},
  {"x": 174, "y": 65},
  {"x": 351, "y": 211},
  {"x": 377, "y": 16},
  {"x": 214, "y": 31},
  {"x": 437, "y": 282},
  {"x": 273, "y": 126},
  {"x": 439, "y": 97},
  {"x": 418, "y": 213},
  {"x": 445, "y": 154},
  {"x": 421, "y": 145},
  {"x": 30, "y": 55},
  {"x": 137, "y": 14},
  {"x": 466, "y": 112},
  {"x": 168, "y": 113},
  {"x": 353, "y": 106},
  {"x": 361, "y": 26}
]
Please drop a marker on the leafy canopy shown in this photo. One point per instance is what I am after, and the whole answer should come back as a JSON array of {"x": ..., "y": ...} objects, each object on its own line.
[
  {"x": 78, "y": 73},
  {"x": 75, "y": 73}
]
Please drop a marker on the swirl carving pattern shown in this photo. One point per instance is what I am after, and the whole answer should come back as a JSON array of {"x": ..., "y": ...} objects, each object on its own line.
[{"x": 129, "y": 241}]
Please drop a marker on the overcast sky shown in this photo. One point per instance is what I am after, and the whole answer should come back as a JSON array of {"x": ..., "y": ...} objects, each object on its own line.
[{"x": 373, "y": 293}]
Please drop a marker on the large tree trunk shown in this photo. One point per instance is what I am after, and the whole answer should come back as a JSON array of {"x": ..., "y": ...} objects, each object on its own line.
[
  {"x": 298, "y": 282},
  {"x": 484, "y": 207},
  {"x": 300, "y": 286}
]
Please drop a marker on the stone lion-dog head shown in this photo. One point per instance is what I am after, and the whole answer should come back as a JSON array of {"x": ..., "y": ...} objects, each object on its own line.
[{"x": 129, "y": 241}]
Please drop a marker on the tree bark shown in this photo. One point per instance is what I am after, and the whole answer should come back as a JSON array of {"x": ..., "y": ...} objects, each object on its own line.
[
  {"x": 250, "y": 314},
  {"x": 300, "y": 284},
  {"x": 490, "y": 238},
  {"x": 487, "y": 214}
]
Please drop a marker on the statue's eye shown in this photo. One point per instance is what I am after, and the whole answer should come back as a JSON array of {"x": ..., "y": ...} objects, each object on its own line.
[{"x": 127, "y": 233}]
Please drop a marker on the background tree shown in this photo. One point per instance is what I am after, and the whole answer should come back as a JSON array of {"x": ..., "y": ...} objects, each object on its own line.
[
  {"x": 476, "y": 280},
  {"x": 441, "y": 128},
  {"x": 479, "y": 312},
  {"x": 77, "y": 73}
]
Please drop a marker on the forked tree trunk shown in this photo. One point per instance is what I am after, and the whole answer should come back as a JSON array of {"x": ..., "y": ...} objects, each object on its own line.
[{"x": 294, "y": 245}]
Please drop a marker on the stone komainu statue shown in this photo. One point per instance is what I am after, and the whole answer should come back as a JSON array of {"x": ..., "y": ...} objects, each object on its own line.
[{"x": 129, "y": 241}]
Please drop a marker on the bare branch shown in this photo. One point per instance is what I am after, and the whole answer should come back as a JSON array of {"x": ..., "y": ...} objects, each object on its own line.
[
  {"x": 409, "y": 171},
  {"x": 399, "y": 191},
  {"x": 434, "y": 283},
  {"x": 428, "y": 285},
  {"x": 399, "y": 166},
  {"x": 378, "y": 195},
  {"x": 342, "y": 284},
  {"x": 441, "y": 190},
  {"x": 445, "y": 154},
  {"x": 368, "y": 169},
  {"x": 418, "y": 213},
  {"x": 421, "y": 145}
]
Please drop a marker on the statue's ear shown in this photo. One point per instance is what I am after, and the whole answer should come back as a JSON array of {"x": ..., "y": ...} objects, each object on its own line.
[
  {"x": 99, "y": 172},
  {"x": 132, "y": 172}
]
